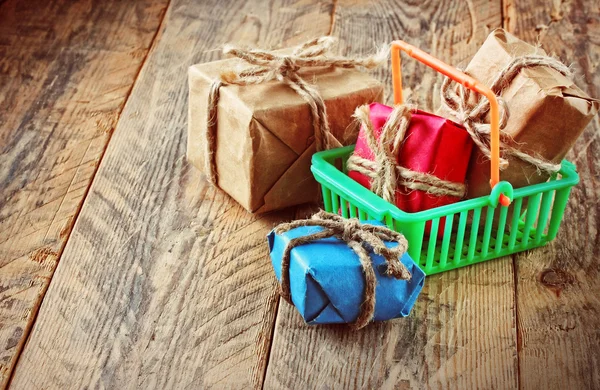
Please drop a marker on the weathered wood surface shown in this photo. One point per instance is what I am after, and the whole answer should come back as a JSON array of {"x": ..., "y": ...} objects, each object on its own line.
[
  {"x": 558, "y": 287},
  {"x": 66, "y": 69},
  {"x": 166, "y": 283},
  {"x": 461, "y": 333}
]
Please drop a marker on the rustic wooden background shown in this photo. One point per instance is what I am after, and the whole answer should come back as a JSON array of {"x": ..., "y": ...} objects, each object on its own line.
[{"x": 121, "y": 268}]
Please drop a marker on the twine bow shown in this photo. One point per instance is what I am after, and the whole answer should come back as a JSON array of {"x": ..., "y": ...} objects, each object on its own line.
[
  {"x": 362, "y": 239},
  {"x": 268, "y": 66},
  {"x": 471, "y": 109},
  {"x": 385, "y": 173}
]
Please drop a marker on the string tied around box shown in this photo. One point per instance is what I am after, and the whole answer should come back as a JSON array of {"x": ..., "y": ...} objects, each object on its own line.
[
  {"x": 269, "y": 66},
  {"x": 363, "y": 239},
  {"x": 385, "y": 173},
  {"x": 471, "y": 109}
]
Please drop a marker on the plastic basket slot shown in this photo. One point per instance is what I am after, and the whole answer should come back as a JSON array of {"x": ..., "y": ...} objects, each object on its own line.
[
  {"x": 547, "y": 198},
  {"x": 344, "y": 207},
  {"x": 353, "y": 210},
  {"x": 533, "y": 204},
  {"x": 473, "y": 235},
  {"x": 516, "y": 205},
  {"x": 446, "y": 240},
  {"x": 487, "y": 231},
  {"x": 460, "y": 237},
  {"x": 560, "y": 201},
  {"x": 362, "y": 215},
  {"x": 335, "y": 203},
  {"x": 500, "y": 229},
  {"x": 326, "y": 198},
  {"x": 431, "y": 245},
  {"x": 389, "y": 221}
]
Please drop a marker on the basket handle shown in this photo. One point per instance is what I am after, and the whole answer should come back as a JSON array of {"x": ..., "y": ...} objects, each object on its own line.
[{"x": 468, "y": 82}]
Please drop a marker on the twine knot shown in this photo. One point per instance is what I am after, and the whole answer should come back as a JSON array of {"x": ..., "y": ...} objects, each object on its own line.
[
  {"x": 471, "y": 110},
  {"x": 350, "y": 230},
  {"x": 268, "y": 66},
  {"x": 362, "y": 239},
  {"x": 385, "y": 173},
  {"x": 287, "y": 66}
]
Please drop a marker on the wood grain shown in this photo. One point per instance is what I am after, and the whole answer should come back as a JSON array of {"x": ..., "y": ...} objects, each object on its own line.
[
  {"x": 66, "y": 69},
  {"x": 165, "y": 282},
  {"x": 461, "y": 333},
  {"x": 558, "y": 287}
]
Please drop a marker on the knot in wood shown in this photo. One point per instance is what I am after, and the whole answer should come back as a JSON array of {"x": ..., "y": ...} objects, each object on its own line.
[{"x": 556, "y": 280}]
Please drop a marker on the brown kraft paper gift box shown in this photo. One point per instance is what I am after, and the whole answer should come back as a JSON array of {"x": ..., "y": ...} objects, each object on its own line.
[
  {"x": 547, "y": 112},
  {"x": 265, "y": 135}
]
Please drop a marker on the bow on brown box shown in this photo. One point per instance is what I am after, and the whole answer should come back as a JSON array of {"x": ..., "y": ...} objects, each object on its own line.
[
  {"x": 256, "y": 120},
  {"x": 545, "y": 112}
]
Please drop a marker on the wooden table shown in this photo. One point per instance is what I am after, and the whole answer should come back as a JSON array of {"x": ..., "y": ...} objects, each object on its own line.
[{"x": 122, "y": 268}]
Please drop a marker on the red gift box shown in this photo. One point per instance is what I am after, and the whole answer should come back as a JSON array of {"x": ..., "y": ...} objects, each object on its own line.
[{"x": 433, "y": 145}]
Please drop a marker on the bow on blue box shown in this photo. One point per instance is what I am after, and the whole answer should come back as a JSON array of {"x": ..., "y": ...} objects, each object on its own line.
[{"x": 337, "y": 270}]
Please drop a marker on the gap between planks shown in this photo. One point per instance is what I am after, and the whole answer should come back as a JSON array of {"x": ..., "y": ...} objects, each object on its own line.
[
  {"x": 508, "y": 23},
  {"x": 332, "y": 19}
]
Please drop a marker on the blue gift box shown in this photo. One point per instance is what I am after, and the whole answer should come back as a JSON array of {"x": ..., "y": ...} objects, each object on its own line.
[{"x": 327, "y": 281}]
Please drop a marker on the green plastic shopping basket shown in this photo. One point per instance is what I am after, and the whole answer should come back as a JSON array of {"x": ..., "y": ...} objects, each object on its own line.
[{"x": 535, "y": 211}]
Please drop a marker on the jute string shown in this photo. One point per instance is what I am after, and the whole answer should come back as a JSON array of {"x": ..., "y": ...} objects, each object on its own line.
[
  {"x": 385, "y": 173},
  {"x": 471, "y": 109},
  {"x": 268, "y": 66},
  {"x": 362, "y": 239}
]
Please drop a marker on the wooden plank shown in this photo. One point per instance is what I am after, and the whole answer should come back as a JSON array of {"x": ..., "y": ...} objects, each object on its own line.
[
  {"x": 558, "y": 288},
  {"x": 165, "y": 282},
  {"x": 462, "y": 331},
  {"x": 66, "y": 69}
]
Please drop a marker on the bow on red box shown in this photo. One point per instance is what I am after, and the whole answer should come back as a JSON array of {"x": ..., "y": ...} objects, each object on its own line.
[{"x": 426, "y": 157}]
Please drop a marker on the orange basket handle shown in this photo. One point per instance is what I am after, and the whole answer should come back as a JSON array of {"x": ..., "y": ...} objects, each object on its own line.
[{"x": 459, "y": 77}]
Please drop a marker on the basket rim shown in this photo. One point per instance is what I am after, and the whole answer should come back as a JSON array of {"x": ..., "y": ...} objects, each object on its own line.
[{"x": 327, "y": 174}]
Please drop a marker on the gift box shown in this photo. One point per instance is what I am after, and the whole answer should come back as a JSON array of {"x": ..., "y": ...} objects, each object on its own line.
[
  {"x": 327, "y": 281},
  {"x": 432, "y": 145},
  {"x": 546, "y": 110},
  {"x": 265, "y": 129}
]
